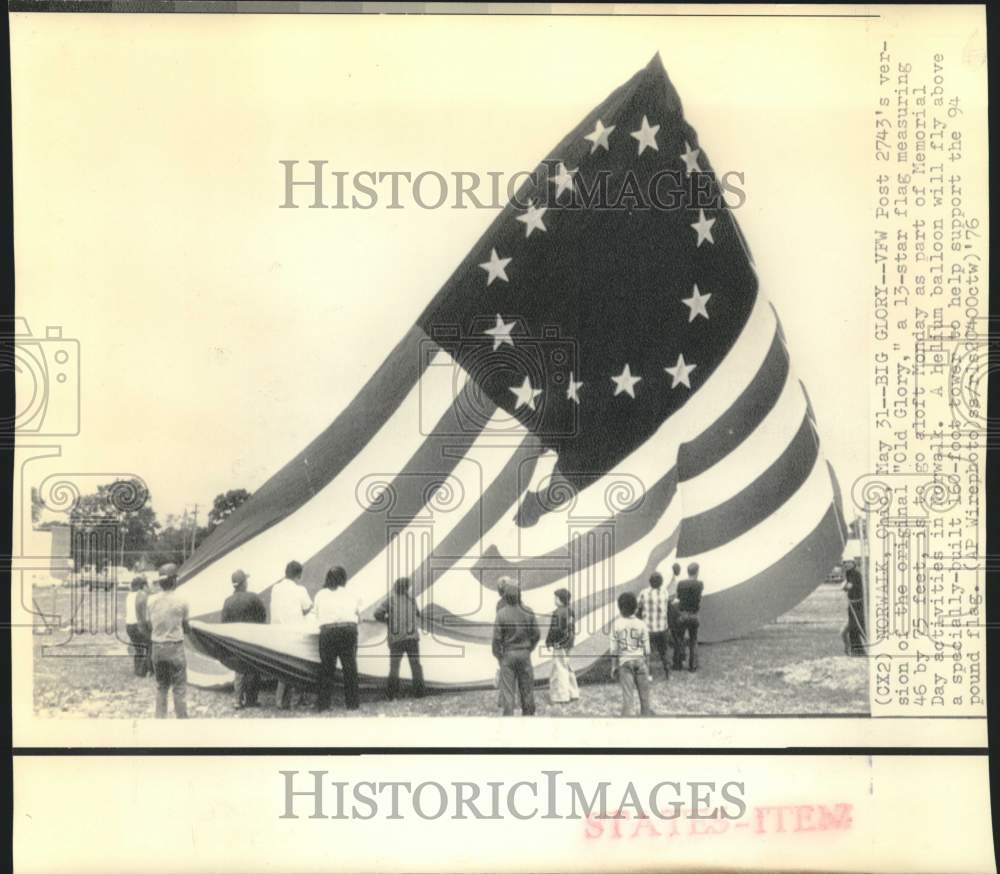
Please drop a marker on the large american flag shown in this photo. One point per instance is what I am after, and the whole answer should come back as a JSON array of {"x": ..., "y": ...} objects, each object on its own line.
[{"x": 599, "y": 390}]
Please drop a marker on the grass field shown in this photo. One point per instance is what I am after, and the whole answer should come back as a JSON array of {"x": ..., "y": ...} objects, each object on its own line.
[{"x": 794, "y": 666}]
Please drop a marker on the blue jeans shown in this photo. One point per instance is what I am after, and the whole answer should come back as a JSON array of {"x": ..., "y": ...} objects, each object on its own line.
[{"x": 635, "y": 684}]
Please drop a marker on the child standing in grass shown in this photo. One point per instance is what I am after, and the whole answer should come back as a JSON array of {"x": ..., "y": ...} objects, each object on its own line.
[{"x": 629, "y": 640}]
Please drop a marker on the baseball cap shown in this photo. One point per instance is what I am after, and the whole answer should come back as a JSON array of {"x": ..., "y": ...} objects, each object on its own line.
[
  {"x": 239, "y": 577},
  {"x": 168, "y": 570}
]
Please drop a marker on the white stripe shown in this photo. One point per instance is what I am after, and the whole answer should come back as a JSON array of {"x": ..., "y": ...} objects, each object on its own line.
[
  {"x": 725, "y": 566},
  {"x": 306, "y": 531},
  {"x": 764, "y": 544},
  {"x": 459, "y": 591},
  {"x": 733, "y": 563},
  {"x": 415, "y": 543},
  {"x": 762, "y": 447}
]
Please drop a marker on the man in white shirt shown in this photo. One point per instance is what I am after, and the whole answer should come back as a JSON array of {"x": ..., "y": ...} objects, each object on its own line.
[
  {"x": 290, "y": 602},
  {"x": 168, "y": 624}
]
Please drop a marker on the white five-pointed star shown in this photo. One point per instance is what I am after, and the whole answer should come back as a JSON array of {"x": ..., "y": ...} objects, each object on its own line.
[
  {"x": 646, "y": 136},
  {"x": 695, "y": 303},
  {"x": 563, "y": 180},
  {"x": 680, "y": 372},
  {"x": 501, "y": 333},
  {"x": 574, "y": 387},
  {"x": 704, "y": 228},
  {"x": 525, "y": 394},
  {"x": 599, "y": 137},
  {"x": 690, "y": 159},
  {"x": 625, "y": 382},
  {"x": 495, "y": 267},
  {"x": 533, "y": 218}
]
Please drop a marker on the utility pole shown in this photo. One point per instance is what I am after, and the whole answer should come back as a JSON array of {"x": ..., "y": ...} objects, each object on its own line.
[
  {"x": 184, "y": 523},
  {"x": 194, "y": 530}
]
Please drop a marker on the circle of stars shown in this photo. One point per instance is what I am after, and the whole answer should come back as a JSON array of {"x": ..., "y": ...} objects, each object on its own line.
[{"x": 533, "y": 219}]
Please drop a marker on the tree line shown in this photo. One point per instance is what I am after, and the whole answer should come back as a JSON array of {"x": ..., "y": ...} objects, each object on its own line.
[{"x": 124, "y": 507}]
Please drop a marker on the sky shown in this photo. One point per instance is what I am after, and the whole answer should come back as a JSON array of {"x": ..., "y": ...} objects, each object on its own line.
[{"x": 218, "y": 333}]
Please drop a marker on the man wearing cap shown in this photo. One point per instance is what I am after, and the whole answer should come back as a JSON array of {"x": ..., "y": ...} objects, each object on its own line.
[
  {"x": 244, "y": 606},
  {"x": 168, "y": 623}
]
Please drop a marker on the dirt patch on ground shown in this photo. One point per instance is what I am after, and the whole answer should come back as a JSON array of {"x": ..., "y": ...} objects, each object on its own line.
[{"x": 836, "y": 674}]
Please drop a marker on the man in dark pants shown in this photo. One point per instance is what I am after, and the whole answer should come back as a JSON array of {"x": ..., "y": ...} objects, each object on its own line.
[
  {"x": 338, "y": 613},
  {"x": 502, "y": 585},
  {"x": 674, "y": 618},
  {"x": 401, "y": 614},
  {"x": 515, "y": 635},
  {"x": 244, "y": 606},
  {"x": 688, "y": 604},
  {"x": 853, "y": 633},
  {"x": 338, "y": 641}
]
